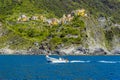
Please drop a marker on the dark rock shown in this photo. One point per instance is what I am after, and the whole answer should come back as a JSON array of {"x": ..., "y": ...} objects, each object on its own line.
[
  {"x": 99, "y": 51},
  {"x": 83, "y": 50}
]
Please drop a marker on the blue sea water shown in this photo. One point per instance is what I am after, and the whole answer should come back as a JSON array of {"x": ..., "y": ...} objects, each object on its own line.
[{"x": 35, "y": 67}]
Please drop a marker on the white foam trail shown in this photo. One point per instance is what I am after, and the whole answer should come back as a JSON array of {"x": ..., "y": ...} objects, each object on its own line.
[
  {"x": 103, "y": 61},
  {"x": 79, "y": 61}
]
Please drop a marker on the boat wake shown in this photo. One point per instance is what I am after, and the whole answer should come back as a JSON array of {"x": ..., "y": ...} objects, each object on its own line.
[
  {"x": 103, "y": 61},
  {"x": 79, "y": 61},
  {"x": 62, "y": 60}
]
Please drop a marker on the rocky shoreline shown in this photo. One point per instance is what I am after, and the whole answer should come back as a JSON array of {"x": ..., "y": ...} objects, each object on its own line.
[{"x": 61, "y": 51}]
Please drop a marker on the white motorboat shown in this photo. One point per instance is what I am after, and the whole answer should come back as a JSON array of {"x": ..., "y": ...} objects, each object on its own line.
[{"x": 55, "y": 60}]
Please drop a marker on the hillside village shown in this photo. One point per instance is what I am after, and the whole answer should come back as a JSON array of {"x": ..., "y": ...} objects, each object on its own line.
[{"x": 54, "y": 21}]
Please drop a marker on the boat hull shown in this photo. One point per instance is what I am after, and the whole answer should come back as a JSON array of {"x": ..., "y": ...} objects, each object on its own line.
[{"x": 54, "y": 60}]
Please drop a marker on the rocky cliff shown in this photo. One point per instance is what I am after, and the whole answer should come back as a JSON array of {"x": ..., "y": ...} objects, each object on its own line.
[{"x": 76, "y": 27}]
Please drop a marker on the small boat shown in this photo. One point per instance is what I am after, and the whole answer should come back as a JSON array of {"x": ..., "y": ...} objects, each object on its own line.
[{"x": 55, "y": 60}]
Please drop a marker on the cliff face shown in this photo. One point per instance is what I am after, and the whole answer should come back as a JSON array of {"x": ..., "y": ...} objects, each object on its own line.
[
  {"x": 92, "y": 26},
  {"x": 102, "y": 33}
]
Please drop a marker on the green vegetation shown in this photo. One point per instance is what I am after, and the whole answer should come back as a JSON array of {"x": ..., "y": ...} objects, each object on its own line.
[{"x": 60, "y": 7}]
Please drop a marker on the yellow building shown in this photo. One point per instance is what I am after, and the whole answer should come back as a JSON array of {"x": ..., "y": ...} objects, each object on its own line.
[
  {"x": 54, "y": 21},
  {"x": 79, "y": 12}
]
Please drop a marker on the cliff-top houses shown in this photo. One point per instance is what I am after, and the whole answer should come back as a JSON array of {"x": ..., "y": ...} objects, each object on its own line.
[{"x": 54, "y": 21}]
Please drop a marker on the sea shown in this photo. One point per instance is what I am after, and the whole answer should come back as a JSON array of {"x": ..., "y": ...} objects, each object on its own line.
[{"x": 35, "y": 67}]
